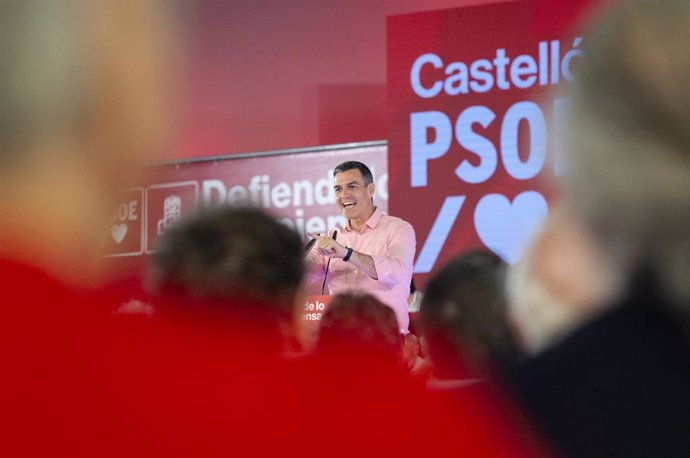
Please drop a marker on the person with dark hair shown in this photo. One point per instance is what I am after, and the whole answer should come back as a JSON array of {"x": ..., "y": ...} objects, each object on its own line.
[
  {"x": 463, "y": 318},
  {"x": 218, "y": 261},
  {"x": 618, "y": 384},
  {"x": 221, "y": 252},
  {"x": 361, "y": 323},
  {"x": 464, "y": 331},
  {"x": 373, "y": 253},
  {"x": 208, "y": 372}
]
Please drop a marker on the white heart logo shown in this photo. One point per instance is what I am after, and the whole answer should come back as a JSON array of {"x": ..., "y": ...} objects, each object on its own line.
[
  {"x": 505, "y": 228},
  {"x": 118, "y": 231}
]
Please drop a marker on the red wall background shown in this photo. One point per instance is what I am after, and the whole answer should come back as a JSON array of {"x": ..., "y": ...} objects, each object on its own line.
[{"x": 273, "y": 74}]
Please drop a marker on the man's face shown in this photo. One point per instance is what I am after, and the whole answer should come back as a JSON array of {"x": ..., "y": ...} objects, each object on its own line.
[{"x": 352, "y": 196}]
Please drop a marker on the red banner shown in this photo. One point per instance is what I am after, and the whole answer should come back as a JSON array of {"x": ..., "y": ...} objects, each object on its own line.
[
  {"x": 473, "y": 123},
  {"x": 296, "y": 186}
]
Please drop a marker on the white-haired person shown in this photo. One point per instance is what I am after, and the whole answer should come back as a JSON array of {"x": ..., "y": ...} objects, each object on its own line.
[{"x": 618, "y": 384}]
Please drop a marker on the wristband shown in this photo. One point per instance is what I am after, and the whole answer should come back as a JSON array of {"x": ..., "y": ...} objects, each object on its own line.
[{"x": 349, "y": 253}]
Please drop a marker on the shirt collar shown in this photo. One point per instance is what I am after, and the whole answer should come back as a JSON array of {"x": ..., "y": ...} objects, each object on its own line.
[{"x": 372, "y": 222}]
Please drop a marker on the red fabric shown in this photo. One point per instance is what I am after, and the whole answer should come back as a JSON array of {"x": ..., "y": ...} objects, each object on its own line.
[{"x": 80, "y": 381}]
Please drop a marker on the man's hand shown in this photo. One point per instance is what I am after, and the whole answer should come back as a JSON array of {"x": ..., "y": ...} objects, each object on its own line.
[{"x": 326, "y": 246}]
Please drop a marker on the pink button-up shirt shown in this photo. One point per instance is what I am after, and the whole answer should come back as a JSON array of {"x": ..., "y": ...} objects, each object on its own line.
[{"x": 391, "y": 243}]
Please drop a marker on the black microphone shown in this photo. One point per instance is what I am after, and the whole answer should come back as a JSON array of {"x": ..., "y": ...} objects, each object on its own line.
[
  {"x": 308, "y": 246},
  {"x": 323, "y": 287},
  {"x": 311, "y": 243}
]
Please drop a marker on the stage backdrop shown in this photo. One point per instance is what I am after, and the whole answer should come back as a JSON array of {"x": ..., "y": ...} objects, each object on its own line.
[
  {"x": 474, "y": 123},
  {"x": 294, "y": 185}
]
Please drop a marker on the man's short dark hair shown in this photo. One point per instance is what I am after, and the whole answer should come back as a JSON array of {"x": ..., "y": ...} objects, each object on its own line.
[
  {"x": 230, "y": 252},
  {"x": 351, "y": 165}
]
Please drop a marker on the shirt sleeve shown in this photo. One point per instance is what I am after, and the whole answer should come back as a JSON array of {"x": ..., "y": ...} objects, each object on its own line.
[{"x": 396, "y": 265}]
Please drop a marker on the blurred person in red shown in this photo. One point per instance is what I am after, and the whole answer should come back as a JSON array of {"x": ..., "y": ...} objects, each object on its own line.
[
  {"x": 205, "y": 374},
  {"x": 464, "y": 322},
  {"x": 359, "y": 323},
  {"x": 359, "y": 375},
  {"x": 465, "y": 333},
  {"x": 618, "y": 383},
  {"x": 84, "y": 100},
  {"x": 217, "y": 264}
]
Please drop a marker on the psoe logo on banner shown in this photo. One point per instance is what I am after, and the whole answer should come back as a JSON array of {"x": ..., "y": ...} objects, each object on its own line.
[
  {"x": 125, "y": 235},
  {"x": 166, "y": 205},
  {"x": 477, "y": 100}
]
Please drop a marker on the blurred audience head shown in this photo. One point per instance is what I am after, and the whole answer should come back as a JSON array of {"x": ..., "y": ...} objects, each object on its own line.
[
  {"x": 231, "y": 257},
  {"x": 562, "y": 280},
  {"x": 628, "y": 142},
  {"x": 84, "y": 98},
  {"x": 359, "y": 323},
  {"x": 463, "y": 317}
]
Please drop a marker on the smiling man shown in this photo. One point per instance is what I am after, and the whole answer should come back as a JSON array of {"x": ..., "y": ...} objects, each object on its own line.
[{"x": 373, "y": 253}]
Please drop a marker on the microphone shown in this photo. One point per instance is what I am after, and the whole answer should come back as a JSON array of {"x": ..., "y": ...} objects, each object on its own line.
[
  {"x": 308, "y": 246},
  {"x": 311, "y": 243},
  {"x": 328, "y": 265}
]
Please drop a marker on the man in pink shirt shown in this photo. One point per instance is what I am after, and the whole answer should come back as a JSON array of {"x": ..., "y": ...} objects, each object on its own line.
[{"x": 374, "y": 252}]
